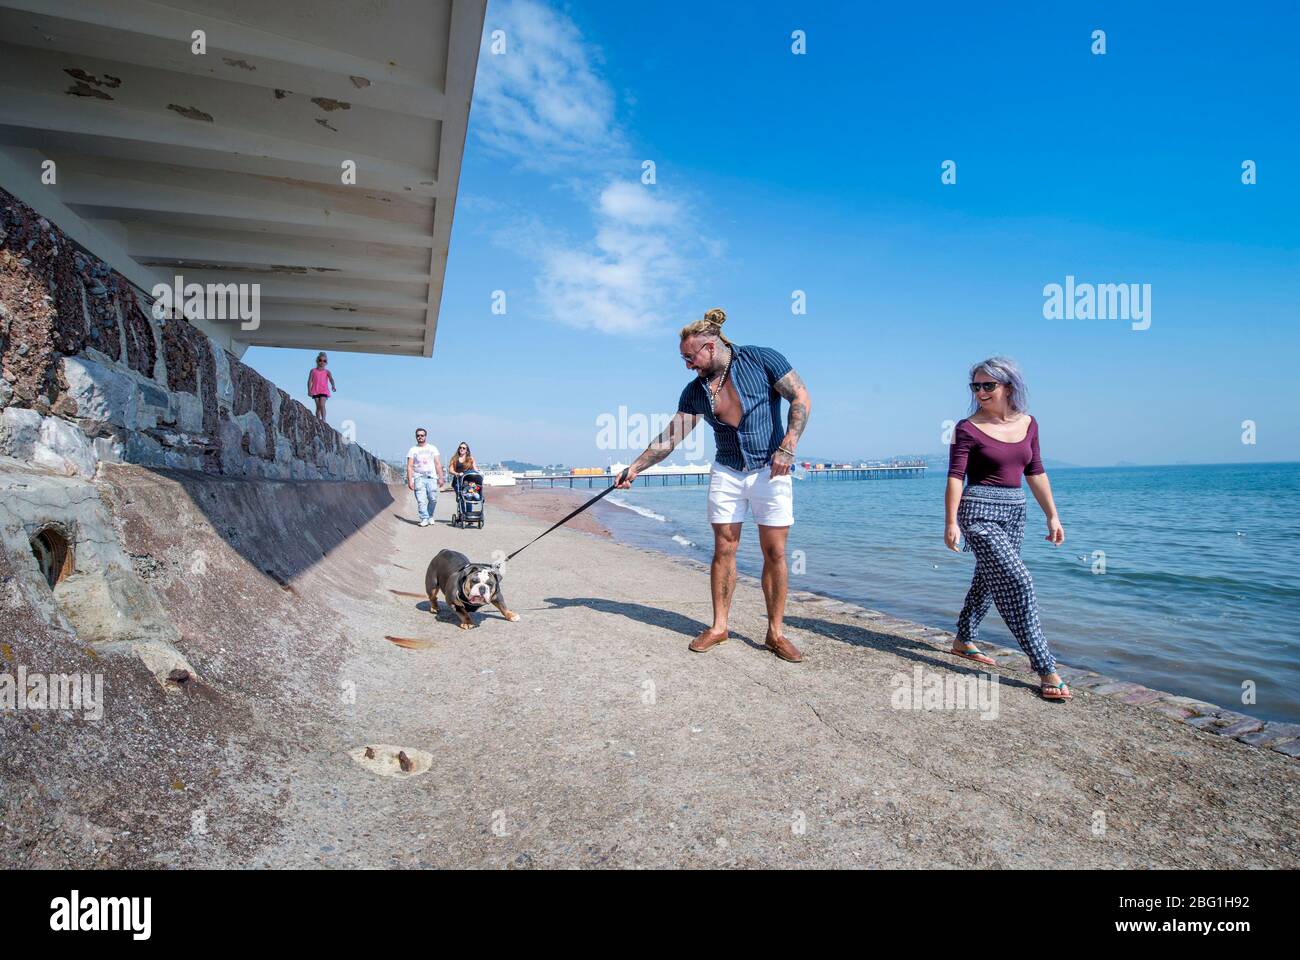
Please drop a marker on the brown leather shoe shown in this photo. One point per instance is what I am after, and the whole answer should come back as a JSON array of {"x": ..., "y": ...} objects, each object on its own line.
[
  {"x": 706, "y": 641},
  {"x": 784, "y": 649}
]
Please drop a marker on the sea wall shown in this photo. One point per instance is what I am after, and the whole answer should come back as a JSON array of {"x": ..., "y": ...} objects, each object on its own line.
[{"x": 89, "y": 375}]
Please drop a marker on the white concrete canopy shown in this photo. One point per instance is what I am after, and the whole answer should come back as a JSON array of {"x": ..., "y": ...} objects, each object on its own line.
[{"x": 228, "y": 166}]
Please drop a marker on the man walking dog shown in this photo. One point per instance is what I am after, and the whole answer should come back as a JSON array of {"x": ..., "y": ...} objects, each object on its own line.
[{"x": 738, "y": 390}]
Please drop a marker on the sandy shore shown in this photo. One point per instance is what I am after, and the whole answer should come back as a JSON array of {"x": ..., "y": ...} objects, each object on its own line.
[{"x": 549, "y": 506}]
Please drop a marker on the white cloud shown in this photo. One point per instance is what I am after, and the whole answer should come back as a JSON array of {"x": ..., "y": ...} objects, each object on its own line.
[
  {"x": 540, "y": 100},
  {"x": 542, "y": 104},
  {"x": 631, "y": 277},
  {"x": 636, "y": 204}
]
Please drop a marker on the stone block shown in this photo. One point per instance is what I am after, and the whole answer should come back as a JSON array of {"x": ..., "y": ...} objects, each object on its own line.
[
  {"x": 20, "y": 429},
  {"x": 102, "y": 392},
  {"x": 1197, "y": 707},
  {"x": 154, "y": 396},
  {"x": 1272, "y": 733},
  {"x": 1227, "y": 724},
  {"x": 1238, "y": 727},
  {"x": 1140, "y": 697},
  {"x": 110, "y": 449},
  {"x": 225, "y": 385},
  {"x": 1169, "y": 710},
  {"x": 144, "y": 449},
  {"x": 188, "y": 411},
  {"x": 63, "y": 447},
  {"x": 1116, "y": 688},
  {"x": 231, "y": 435}
]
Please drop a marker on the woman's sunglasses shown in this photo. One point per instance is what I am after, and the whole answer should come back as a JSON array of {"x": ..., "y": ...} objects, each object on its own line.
[{"x": 988, "y": 386}]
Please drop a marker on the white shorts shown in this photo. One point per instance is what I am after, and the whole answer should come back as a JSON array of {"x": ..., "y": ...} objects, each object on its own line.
[{"x": 734, "y": 497}]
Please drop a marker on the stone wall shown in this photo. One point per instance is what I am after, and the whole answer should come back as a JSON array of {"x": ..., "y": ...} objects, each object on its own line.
[{"x": 87, "y": 374}]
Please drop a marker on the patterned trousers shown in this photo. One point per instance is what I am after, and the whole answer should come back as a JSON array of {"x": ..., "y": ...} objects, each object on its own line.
[{"x": 992, "y": 520}]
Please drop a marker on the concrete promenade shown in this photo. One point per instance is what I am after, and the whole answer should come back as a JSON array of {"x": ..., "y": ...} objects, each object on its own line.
[{"x": 586, "y": 734}]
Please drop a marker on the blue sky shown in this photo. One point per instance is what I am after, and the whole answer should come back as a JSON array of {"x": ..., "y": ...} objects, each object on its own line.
[{"x": 821, "y": 172}]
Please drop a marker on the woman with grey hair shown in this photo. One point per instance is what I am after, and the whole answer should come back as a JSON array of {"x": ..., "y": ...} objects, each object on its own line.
[{"x": 991, "y": 450}]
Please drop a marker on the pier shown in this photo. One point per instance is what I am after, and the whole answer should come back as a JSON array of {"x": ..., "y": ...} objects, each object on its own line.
[
  {"x": 597, "y": 480},
  {"x": 866, "y": 473}
]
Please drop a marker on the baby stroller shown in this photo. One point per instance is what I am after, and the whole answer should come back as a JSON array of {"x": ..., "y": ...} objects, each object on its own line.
[{"x": 469, "y": 500}]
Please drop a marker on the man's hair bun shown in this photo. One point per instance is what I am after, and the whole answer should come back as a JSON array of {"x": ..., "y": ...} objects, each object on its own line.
[{"x": 710, "y": 325}]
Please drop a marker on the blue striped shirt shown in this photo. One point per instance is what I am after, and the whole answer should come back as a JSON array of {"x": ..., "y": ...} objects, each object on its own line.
[{"x": 750, "y": 446}]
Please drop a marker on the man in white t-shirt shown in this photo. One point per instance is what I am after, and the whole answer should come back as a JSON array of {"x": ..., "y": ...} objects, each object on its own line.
[{"x": 424, "y": 475}]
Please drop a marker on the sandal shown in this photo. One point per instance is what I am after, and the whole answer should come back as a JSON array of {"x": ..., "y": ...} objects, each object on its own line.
[
  {"x": 1061, "y": 691},
  {"x": 706, "y": 641},
  {"x": 973, "y": 653}
]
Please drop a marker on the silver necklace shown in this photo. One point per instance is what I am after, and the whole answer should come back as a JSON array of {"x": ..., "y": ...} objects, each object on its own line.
[{"x": 713, "y": 393}]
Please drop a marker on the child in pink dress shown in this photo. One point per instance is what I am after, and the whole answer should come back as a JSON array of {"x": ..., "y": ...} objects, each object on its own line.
[{"x": 320, "y": 383}]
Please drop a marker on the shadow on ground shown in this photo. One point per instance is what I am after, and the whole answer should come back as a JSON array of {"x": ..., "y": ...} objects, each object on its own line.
[
  {"x": 641, "y": 613},
  {"x": 903, "y": 647}
]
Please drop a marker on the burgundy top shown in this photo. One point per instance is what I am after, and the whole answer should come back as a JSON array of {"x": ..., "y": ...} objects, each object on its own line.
[{"x": 989, "y": 462}]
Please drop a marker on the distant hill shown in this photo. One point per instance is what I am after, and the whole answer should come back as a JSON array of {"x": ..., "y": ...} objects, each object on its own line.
[{"x": 520, "y": 466}]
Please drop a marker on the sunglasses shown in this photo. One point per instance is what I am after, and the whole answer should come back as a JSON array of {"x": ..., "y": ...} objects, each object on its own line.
[
  {"x": 988, "y": 386},
  {"x": 691, "y": 358}
]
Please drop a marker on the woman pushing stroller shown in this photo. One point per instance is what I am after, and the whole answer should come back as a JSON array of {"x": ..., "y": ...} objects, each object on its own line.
[{"x": 467, "y": 483}]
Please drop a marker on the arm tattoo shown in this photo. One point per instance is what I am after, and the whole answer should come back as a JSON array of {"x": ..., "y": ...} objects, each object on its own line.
[
  {"x": 661, "y": 446},
  {"x": 789, "y": 386},
  {"x": 798, "y": 418},
  {"x": 792, "y": 388}
]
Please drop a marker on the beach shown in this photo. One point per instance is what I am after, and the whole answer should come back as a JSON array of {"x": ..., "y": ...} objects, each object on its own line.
[
  {"x": 585, "y": 734},
  {"x": 1177, "y": 578},
  {"x": 548, "y": 506},
  {"x": 1113, "y": 779}
]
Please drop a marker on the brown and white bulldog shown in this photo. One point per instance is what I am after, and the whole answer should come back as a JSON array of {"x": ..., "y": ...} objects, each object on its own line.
[{"x": 466, "y": 586}]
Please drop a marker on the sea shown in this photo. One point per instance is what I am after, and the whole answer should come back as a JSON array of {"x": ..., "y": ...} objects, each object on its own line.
[{"x": 1180, "y": 578}]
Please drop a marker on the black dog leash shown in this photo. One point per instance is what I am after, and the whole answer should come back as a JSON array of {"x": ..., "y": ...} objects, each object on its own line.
[{"x": 599, "y": 496}]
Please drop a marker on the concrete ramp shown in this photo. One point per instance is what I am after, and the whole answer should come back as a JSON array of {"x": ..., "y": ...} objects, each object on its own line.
[{"x": 208, "y": 608}]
